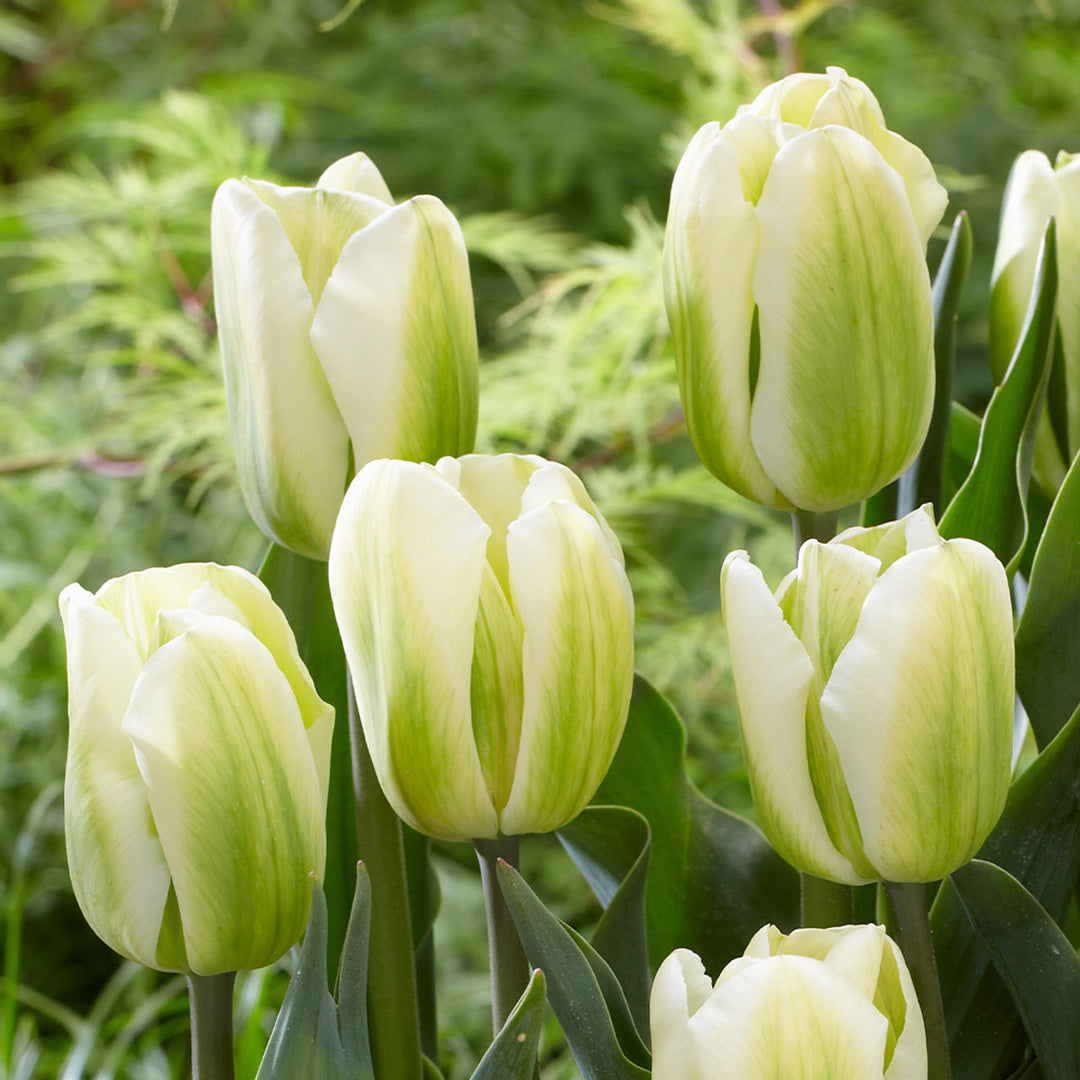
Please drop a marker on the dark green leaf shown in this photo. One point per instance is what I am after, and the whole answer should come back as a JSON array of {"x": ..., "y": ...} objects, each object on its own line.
[
  {"x": 1048, "y": 637},
  {"x": 964, "y": 431},
  {"x": 1033, "y": 957},
  {"x": 590, "y": 1009},
  {"x": 713, "y": 879},
  {"x": 512, "y": 1056},
  {"x": 610, "y": 846},
  {"x": 991, "y": 506}
]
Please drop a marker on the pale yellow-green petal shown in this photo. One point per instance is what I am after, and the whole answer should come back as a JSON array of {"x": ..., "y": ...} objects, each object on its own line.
[
  {"x": 1068, "y": 297},
  {"x": 115, "y": 860},
  {"x": 396, "y": 335},
  {"x": 574, "y": 603},
  {"x": 290, "y": 443},
  {"x": 846, "y": 382},
  {"x": 134, "y": 600},
  {"x": 680, "y": 988},
  {"x": 920, "y": 707},
  {"x": 893, "y": 539},
  {"x": 233, "y": 790},
  {"x": 773, "y": 676},
  {"x": 909, "y": 1052},
  {"x": 406, "y": 567},
  {"x": 357, "y": 173}
]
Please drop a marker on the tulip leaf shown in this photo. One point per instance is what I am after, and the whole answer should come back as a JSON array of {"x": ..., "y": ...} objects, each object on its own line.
[
  {"x": 1047, "y": 638},
  {"x": 991, "y": 506},
  {"x": 1033, "y": 957},
  {"x": 713, "y": 878},
  {"x": 584, "y": 994},
  {"x": 512, "y": 1056},
  {"x": 964, "y": 434},
  {"x": 314, "y": 1036},
  {"x": 610, "y": 846},
  {"x": 1038, "y": 841}
]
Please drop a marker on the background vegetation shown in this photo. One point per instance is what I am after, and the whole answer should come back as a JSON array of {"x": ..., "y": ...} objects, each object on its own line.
[{"x": 552, "y": 127}]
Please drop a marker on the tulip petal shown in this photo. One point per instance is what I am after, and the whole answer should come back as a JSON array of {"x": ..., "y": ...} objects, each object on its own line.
[
  {"x": 1068, "y": 298},
  {"x": 115, "y": 860},
  {"x": 406, "y": 567},
  {"x": 788, "y": 1016},
  {"x": 773, "y": 676},
  {"x": 905, "y": 1058},
  {"x": 291, "y": 445},
  {"x": 356, "y": 173},
  {"x": 920, "y": 705},
  {"x": 680, "y": 988},
  {"x": 244, "y": 827},
  {"x": 846, "y": 323},
  {"x": 396, "y": 336},
  {"x": 574, "y": 602}
]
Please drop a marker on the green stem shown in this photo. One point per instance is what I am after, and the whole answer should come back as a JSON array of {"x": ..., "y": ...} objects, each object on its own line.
[
  {"x": 392, "y": 1004},
  {"x": 908, "y": 902},
  {"x": 826, "y": 903},
  {"x": 509, "y": 966},
  {"x": 808, "y": 526},
  {"x": 211, "y": 998}
]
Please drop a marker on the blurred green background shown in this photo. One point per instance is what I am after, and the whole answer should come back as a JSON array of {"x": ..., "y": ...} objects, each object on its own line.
[{"x": 552, "y": 128}]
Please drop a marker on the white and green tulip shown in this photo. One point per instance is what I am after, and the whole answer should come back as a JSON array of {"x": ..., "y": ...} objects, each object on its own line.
[
  {"x": 1037, "y": 191},
  {"x": 798, "y": 295},
  {"x": 347, "y": 334},
  {"x": 197, "y": 770},
  {"x": 488, "y": 624},
  {"x": 875, "y": 693},
  {"x": 815, "y": 1004}
]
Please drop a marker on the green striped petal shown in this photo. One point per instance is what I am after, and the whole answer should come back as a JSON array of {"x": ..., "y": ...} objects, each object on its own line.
[
  {"x": 356, "y": 173},
  {"x": 846, "y": 323},
  {"x": 773, "y": 677},
  {"x": 919, "y": 707},
  {"x": 406, "y": 568},
  {"x": 574, "y": 602},
  {"x": 233, "y": 789},
  {"x": 396, "y": 336},
  {"x": 117, "y": 867},
  {"x": 680, "y": 988},
  {"x": 291, "y": 445}
]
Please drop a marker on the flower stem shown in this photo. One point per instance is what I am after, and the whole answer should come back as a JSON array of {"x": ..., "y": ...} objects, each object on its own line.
[
  {"x": 211, "y": 998},
  {"x": 808, "y": 526},
  {"x": 826, "y": 903},
  {"x": 392, "y": 1002},
  {"x": 509, "y": 966},
  {"x": 908, "y": 902}
]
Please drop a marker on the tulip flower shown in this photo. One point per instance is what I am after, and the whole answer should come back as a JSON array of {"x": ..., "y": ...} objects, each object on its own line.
[
  {"x": 347, "y": 334},
  {"x": 488, "y": 625},
  {"x": 875, "y": 693},
  {"x": 1037, "y": 191},
  {"x": 816, "y": 1004},
  {"x": 798, "y": 295},
  {"x": 195, "y": 793}
]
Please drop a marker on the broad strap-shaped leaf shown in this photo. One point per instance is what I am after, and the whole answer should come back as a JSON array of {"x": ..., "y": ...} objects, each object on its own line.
[
  {"x": 512, "y": 1056},
  {"x": 1048, "y": 636},
  {"x": 1034, "y": 958},
  {"x": 610, "y": 846},
  {"x": 964, "y": 432},
  {"x": 713, "y": 879},
  {"x": 991, "y": 506},
  {"x": 584, "y": 994}
]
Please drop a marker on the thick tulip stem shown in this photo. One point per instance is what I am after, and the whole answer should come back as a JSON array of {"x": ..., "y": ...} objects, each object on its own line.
[
  {"x": 509, "y": 966},
  {"x": 392, "y": 1003},
  {"x": 211, "y": 998},
  {"x": 826, "y": 903},
  {"x": 808, "y": 526},
  {"x": 908, "y": 902}
]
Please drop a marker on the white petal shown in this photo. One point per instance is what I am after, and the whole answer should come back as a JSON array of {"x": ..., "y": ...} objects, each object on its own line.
[
  {"x": 909, "y": 1053},
  {"x": 680, "y": 988},
  {"x": 1068, "y": 298},
  {"x": 356, "y": 173}
]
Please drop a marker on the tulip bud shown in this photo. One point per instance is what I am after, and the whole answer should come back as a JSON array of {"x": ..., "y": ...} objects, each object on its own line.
[
  {"x": 195, "y": 792},
  {"x": 875, "y": 695},
  {"x": 488, "y": 624},
  {"x": 347, "y": 334},
  {"x": 798, "y": 295},
  {"x": 837, "y": 1003},
  {"x": 1035, "y": 193}
]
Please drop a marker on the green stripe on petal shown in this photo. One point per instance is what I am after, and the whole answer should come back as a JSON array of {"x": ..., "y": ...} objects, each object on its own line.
[
  {"x": 895, "y": 997},
  {"x": 406, "y": 567},
  {"x": 574, "y": 601},
  {"x": 234, "y": 793},
  {"x": 920, "y": 707}
]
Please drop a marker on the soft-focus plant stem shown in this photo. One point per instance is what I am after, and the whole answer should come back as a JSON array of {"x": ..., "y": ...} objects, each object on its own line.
[
  {"x": 908, "y": 902},
  {"x": 211, "y": 998},
  {"x": 808, "y": 526},
  {"x": 392, "y": 1004},
  {"x": 509, "y": 966}
]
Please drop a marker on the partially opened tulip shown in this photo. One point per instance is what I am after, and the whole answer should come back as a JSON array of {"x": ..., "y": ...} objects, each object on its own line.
[
  {"x": 798, "y": 295},
  {"x": 816, "y": 1004},
  {"x": 875, "y": 693},
  {"x": 488, "y": 624},
  {"x": 195, "y": 792},
  {"x": 347, "y": 334}
]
